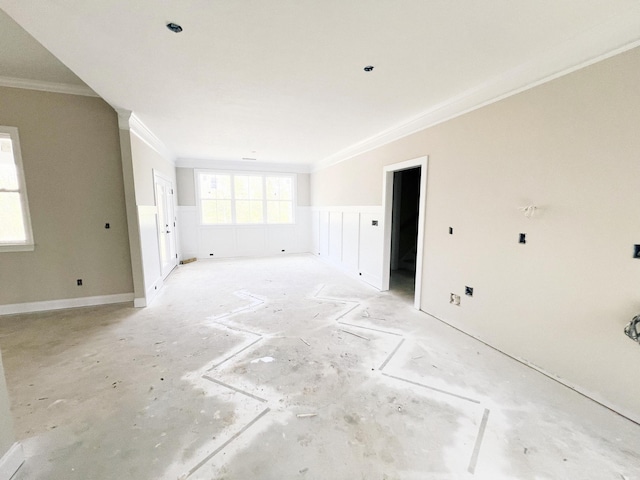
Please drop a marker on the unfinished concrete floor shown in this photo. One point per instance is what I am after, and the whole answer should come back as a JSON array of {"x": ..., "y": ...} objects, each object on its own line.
[{"x": 284, "y": 368}]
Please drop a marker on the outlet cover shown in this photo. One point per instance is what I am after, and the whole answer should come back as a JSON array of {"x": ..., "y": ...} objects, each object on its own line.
[{"x": 454, "y": 299}]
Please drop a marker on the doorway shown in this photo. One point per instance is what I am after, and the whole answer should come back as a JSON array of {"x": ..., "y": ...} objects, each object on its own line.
[
  {"x": 166, "y": 224},
  {"x": 404, "y": 197},
  {"x": 404, "y": 231}
]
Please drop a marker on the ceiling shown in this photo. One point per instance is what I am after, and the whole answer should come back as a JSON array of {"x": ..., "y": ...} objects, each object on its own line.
[{"x": 283, "y": 81}]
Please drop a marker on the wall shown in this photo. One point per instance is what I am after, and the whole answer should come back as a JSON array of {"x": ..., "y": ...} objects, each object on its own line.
[
  {"x": 146, "y": 161},
  {"x": 73, "y": 171},
  {"x": 244, "y": 240},
  {"x": 11, "y": 455},
  {"x": 561, "y": 300}
]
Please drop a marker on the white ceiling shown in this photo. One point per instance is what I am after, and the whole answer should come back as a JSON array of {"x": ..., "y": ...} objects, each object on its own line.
[{"x": 283, "y": 80}]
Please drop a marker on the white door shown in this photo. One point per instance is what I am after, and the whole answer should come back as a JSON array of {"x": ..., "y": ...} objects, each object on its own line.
[{"x": 166, "y": 224}]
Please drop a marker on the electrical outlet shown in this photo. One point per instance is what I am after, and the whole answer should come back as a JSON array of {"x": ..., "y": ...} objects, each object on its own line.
[
  {"x": 106, "y": 225},
  {"x": 468, "y": 291},
  {"x": 454, "y": 299},
  {"x": 636, "y": 251},
  {"x": 79, "y": 282},
  {"x": 523, "y": 238}
]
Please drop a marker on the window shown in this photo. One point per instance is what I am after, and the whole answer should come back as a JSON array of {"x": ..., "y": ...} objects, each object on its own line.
[
  {"x": 15, "y": 224},
  {"x": 245, "y": 198}
]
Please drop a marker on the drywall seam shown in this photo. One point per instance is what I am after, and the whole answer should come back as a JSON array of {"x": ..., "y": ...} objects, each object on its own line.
[
  {"x": 11, "y": 461},
  {"x": 42, "y": 86},
  {"x": 29, "y": 307}
]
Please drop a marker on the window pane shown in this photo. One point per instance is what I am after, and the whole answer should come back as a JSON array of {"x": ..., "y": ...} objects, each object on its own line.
[
  {"x": 255, "y": 188},
  {"x": 241, "y": 185},
  {"x": 279, "y": 188},
  {"x": 286, "y": 189},
  {"x": 8, "y": 171},
  {"x": 215, "y": 186},
  {"x": 11, "y": 221},
  {"x": 279, "y": 212},
  {"x": 249, "y": 211},
  {"x": 248, "y": 187},
  {"x": 272, "y": 188},
  {"x": 216, "y": 211}
]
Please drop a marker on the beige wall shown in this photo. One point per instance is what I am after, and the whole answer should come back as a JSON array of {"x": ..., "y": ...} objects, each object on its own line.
[
  {"x": 186, "y": 187},
  {"x": 73, "y": 172},
  {"x": 6, "y": 423},
  {"x": 561, "y": 301}
]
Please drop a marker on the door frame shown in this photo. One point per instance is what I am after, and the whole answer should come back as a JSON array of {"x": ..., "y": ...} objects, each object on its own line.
[
  {"x": 387, "y": 199},
  {"x": 173, "y": 241}
]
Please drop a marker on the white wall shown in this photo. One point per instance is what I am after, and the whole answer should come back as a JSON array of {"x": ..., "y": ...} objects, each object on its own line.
[
  {"x": 346, "y": 238},
  {"x": 206, "y": 241},
  {"x": 242, "y": 240},
  {"x": 146, "y": 161}
]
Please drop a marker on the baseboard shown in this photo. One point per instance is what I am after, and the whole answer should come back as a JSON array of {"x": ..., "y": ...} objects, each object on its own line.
[
  {"x": 11, "y": 461},
  {"x": 370, "y": 280},
  {"x": 139, "y": 302},
  {"x": 594, "y": 397},
  {"x": 153, "y": 290},
  {"x": 65, "y": 303}
]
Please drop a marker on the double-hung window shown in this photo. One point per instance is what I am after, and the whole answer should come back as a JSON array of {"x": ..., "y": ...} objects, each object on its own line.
[
  {"x": 15, "y": 224},
  {"x": 239, "y": 198}
]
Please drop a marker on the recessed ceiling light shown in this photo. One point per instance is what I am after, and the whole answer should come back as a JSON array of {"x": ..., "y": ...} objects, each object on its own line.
[
  {"x": 368, "y": 68},
  {"x": 174, "y": 27}
]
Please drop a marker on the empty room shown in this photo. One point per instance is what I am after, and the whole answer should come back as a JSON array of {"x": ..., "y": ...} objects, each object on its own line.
[{"x": 308, "y": 240}]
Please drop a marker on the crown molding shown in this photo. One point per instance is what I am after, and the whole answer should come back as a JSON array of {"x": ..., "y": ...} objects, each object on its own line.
[
  {"x": 53, "y": 87},
  {"x": 242, "y": 165},
  {"x": 607, "y": 40},
  {"x": 127, "y": 120}
]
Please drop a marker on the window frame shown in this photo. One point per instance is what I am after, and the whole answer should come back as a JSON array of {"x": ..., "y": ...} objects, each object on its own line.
[
  {"x": 232, "y": 174},
  {"x": 28, "y": 244}
]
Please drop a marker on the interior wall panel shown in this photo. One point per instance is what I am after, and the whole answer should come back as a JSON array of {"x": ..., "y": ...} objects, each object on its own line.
[
  {"x": 335, "y": 236},
  {"x": 324, "y": 235},
  {"x": 350, "y": 241}
]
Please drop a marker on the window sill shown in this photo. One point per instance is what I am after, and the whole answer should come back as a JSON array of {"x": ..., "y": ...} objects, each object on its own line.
[{"x": 17, "y": 248}]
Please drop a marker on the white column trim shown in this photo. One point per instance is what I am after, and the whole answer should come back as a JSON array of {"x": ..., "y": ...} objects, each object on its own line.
[
  {"x": 42, "y": 86},
  {"x": 128, "y": 120},
  {"x": 11, "y": 461}
]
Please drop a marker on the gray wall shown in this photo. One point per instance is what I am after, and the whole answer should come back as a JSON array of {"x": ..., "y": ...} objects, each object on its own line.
[
  {"x": 71, "y": 156},
  {"x": 570, "y": 146}
]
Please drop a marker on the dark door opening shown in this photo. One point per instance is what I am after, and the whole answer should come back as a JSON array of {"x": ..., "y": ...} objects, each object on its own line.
[{"x": 404, "y": 231}]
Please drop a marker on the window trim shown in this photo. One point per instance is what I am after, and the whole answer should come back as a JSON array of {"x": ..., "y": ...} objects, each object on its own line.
[
  {"x": 28, "y": 245},
  {"x": 232, "y": 173}
]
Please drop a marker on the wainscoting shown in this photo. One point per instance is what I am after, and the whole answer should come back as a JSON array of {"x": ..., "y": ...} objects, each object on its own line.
[
  {"x": 242, "y": 240},
  {"x": 351, "y": 238}
]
